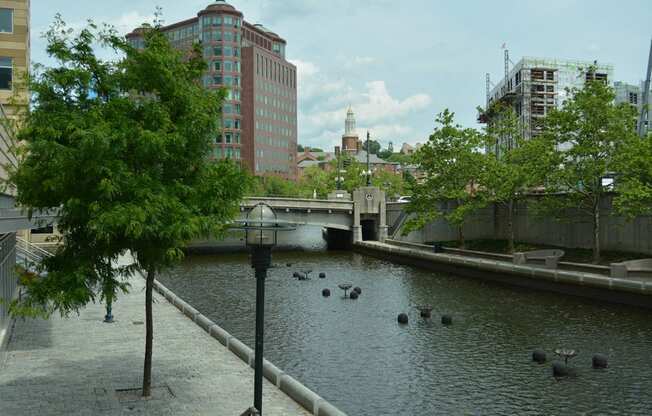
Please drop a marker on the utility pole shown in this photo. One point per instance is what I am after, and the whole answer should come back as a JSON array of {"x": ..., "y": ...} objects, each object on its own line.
[{"x": 645, "y": 111}]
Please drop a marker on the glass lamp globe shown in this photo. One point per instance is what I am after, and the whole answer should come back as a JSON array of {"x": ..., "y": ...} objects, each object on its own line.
[{"x": 260, "y": 226}]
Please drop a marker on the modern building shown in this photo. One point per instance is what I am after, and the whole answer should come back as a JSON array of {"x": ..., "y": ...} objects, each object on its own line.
[
  {"x": 633, "y": 95},
  {"x": 14, "y": 55},
  {"x": 260, "y": 113},
  {"x": 535, "y": 86}
]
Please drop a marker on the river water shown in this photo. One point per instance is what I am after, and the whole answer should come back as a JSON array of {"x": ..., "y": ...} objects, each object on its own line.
[{"x": 355, "y": 354}]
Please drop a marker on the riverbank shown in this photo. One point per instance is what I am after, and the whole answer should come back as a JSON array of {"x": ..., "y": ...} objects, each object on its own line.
[
  {"x": 82, "y": 366},
  {"x": 631, "y": 291}
]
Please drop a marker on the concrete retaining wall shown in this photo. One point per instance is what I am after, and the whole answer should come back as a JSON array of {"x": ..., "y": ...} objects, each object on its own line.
[
  {"x": 310, "y": 400},
  {"x": 480, "y": 225},
  {"x": 575, "y": 231},
  {"x": 625, "y": 291}
]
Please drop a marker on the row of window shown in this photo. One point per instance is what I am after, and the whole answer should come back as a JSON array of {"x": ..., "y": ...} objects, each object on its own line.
[
  {"x": 264, "y": 112},
  {"x": 221, "y": 21},
  {"x": 221, "y": 51},
  {"x": 264, "y": 166},
  {"x": 231, "y": 123},
  {"x": 274, "y": 89},
  {"x": 276, "y": 103},
  {"x": 270, "y": 128},
  {"x": 272, "y": 70},
  {"x": 228, "y": 138},
  {"x": 227, "y": 152},
  {"x": 228, "y": 108},
  {"x": 191, "y": 31},
  {"x": 273, "y": 155},
  {"x": 227, "y": 66},
  {"x": 227, "y": 80},
  {"x": 273, "y": 141},
  {"x": 219, "y": 36}
]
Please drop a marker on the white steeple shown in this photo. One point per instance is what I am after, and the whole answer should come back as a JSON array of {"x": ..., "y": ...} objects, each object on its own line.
[{"x": 349, "y": 125}]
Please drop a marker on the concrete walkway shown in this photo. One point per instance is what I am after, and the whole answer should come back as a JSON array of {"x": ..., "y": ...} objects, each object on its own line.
[{"x": 80, "y": 366}]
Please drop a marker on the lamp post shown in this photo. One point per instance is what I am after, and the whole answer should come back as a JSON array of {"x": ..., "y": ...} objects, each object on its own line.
[
  {"x": 368, "y": 165},
  {"x": 261, "y": 227}
]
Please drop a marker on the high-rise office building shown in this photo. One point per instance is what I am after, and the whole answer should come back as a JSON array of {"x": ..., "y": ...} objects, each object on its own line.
[
  {"x": 259, "y": 124},
  {"x": 535, "y": 86}
]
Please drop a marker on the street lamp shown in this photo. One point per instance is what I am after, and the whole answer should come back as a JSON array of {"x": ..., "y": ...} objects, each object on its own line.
[
  {"x": 261, "y": 227},
  {"x": 368, "y": 165}
]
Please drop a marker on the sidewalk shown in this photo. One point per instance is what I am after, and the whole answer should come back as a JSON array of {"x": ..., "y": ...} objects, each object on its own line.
[{"x": 74, "y": 366}]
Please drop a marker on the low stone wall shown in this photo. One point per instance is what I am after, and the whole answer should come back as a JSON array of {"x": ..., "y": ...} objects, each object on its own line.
[
  {"x": 310, "y": 400},
  {"x": 591, "y": 285}
]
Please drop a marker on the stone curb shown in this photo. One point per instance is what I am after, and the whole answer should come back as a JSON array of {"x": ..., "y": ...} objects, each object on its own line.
[{"x": 301, "y": 394}]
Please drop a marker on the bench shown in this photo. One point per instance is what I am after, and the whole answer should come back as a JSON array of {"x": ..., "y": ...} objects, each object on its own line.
[
  {"x": 632, "y": 268},
  {"x": 548, "y": 258}
]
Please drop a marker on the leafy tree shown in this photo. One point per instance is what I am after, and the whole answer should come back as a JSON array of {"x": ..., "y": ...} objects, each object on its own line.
[
  {"x": 634, "y": 180},
  {"x": 454, "y": 166},
  {"x": 316, "y": 179},
  {"x": 588, "y": 132},
  {"x": 391, "y": 183},
  {"x": 121, "y": 148},
  {"x": 300, "y": 148},
  {"x": 386, "y": 153},
  {"x": 513, "y": 166},
  {"x": 373, "y": 145}
]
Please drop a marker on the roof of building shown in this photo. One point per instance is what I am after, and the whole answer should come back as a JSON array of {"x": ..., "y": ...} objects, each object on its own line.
[
  {"x": 308, "y": 163},
  {"x": 361, "y": 157},
  {"x": 219, "y": 5}
]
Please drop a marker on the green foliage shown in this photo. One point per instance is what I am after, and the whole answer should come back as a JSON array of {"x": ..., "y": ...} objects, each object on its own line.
[
  {"x": 373, "y": 145},
  {"x": 514, "y": 165},
  {"x": 121, "y": 149},
  {"x": 634, "y": 180},
  {"x": 589, "y": 133},
  {"x": 454, "y": 166}
]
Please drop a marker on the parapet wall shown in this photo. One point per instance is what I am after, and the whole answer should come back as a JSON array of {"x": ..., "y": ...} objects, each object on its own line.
[{"x": 574, "y": 231}]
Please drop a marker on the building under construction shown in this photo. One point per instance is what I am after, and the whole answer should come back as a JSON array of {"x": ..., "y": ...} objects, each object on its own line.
[{"x": 535, "y": 86}]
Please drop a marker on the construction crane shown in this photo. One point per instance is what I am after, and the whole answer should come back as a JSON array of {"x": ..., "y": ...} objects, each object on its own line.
[{"x": 645, "y": 111}]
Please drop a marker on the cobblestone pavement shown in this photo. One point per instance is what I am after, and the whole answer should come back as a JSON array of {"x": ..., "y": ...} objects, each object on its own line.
[{"x": 81, "y": 366}]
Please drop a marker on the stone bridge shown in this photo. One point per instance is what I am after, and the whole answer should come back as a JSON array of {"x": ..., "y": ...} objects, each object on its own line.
[
  {"x": 357, "y": 219},
  {"x": 334, "y": 214}
]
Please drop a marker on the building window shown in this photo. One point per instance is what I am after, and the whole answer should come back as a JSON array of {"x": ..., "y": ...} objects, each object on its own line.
[
  {"x": 6, "y": 73},
  {"x": 228, "y": 138},
  {"x": 633, "y": 98},
  {"x": 218, "y": 66},
  {"x": 6, "y": 20}
]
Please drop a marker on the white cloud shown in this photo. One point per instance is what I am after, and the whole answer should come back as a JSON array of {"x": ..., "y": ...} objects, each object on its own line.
[
  {"x": 324, "y": 102},
  {"x": 129, "y": 21}
]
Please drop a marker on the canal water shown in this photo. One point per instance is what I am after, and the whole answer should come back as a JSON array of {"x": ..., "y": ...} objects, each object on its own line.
[{"x": 355, "y": 354}]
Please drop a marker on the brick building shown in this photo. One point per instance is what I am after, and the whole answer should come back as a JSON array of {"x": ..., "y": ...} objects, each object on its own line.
[{"x": 260, "y": 114}]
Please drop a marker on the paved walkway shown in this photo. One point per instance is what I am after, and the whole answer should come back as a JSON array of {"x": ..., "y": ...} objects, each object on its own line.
[{"x": 80, "y": 365}]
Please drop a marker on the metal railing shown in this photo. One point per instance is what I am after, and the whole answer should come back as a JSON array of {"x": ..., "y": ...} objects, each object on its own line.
[{"x": 29, "y": 254}]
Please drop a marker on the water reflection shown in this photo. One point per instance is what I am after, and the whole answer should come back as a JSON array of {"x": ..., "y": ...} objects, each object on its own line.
[{"x": 353, "y": 352}]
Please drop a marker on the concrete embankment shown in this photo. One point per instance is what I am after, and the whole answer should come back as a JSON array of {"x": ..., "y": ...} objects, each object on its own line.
[
  {"x": 288, "y": 385},
  {"x": 637, "y": 292}
]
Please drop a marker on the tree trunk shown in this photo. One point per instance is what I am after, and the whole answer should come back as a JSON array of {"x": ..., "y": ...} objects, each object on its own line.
[
  {"x": 596, "y": 232},
  {"x": 460, "y": 237},
  {"x": 510, "y": 226},
  {"x": 149, "y": 331}
]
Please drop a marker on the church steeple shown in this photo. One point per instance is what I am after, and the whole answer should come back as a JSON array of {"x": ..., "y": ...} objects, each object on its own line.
[{"x": 349, "y": 124}]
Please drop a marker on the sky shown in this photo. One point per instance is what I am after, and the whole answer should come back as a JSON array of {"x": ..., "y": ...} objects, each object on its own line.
[{"x": 400, "y": 63}]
